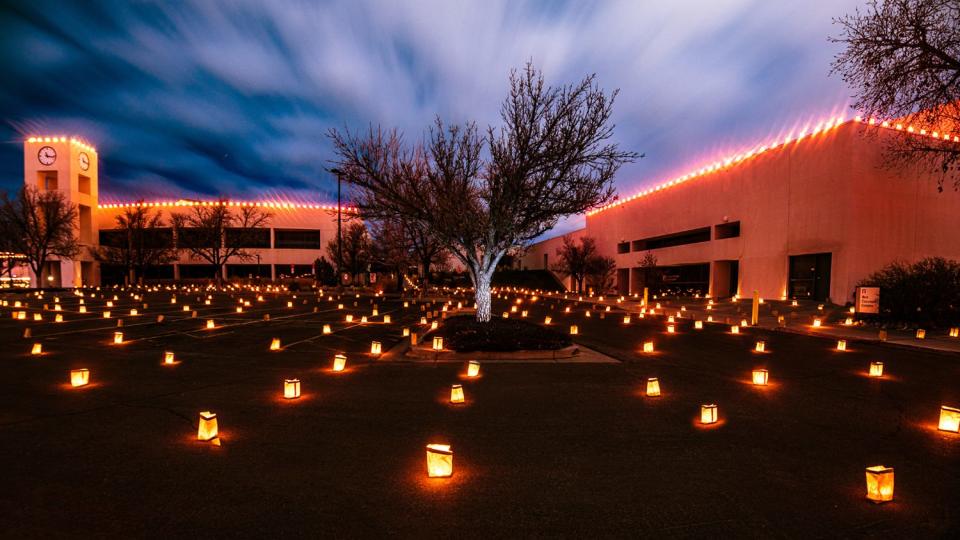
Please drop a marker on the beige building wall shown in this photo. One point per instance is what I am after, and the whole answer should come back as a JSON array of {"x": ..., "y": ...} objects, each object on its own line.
[
  {"x": 71, "y": 166},
  {"x": 543, "y": 255},
  {"x": 284, "y": 216},
  {"x": 827, "y": 193}
]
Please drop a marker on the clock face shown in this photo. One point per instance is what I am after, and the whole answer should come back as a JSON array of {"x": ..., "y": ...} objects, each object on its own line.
[
  {"x": 47, "y": 155},
  {"x": 84, "y": 161}
]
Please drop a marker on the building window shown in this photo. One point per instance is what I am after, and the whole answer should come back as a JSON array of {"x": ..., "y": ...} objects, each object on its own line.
[
  {"x": 248, "y": 238},
  {"x": 727, "y": 230},
  {"x": 83, "y": 184},
  {"x": 297, "y": 239},
  {"x": 85, "y": 216},
  {"x": 692, "y": 236},
  {"x": 47, "y": 180},
  {"x": 113, "y": 238},
  {"x": 623, "y": 247},
  {"x": 158, "y": 238}
]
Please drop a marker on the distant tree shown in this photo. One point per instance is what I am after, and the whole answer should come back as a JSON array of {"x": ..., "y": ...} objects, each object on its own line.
[
  {"x": 601, "y": 271},
  {"x": 216, "y": 234},
  {"x": 324, "y": 272},
  {"x": 391, "y": 246},
  {"x": 551, "y": 158},
  {"x": 356, "y": 250},
  {"x": 8, "y": 258},
  {"x": 574, "y": 259},
  {"x": 428, "y": 250},
  {"x": 39, "y": 225},
  {"x": 648, "y": 268},
  {"x": 902, "y": 59},
  {"x": 141, "y": 244}
]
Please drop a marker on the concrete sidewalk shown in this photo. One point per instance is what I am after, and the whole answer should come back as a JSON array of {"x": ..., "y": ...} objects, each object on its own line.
[{"x": 796, "y": 319}]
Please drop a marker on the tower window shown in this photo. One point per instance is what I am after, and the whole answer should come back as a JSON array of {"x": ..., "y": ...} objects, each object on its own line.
[{"x": 47, "y": 180}]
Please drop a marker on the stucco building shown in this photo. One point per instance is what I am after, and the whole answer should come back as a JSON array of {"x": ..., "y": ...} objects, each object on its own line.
[
  {"x": 802, "y": 217},
  {"x": 296, "y": 234}
]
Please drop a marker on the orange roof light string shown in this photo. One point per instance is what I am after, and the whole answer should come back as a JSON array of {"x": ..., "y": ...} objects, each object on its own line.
[
  {"x": 73, "y": 140},
  {"x": 263, "y": 204},
  {"x": 736, "y": 159}
]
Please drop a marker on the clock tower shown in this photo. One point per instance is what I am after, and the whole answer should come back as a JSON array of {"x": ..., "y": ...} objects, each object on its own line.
[{"x": 70, "y": 166}]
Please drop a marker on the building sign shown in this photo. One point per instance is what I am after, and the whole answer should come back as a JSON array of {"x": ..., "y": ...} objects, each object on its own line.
[
  {"x": 868, "y": 300},
  {"x": 373, "y": 277}
]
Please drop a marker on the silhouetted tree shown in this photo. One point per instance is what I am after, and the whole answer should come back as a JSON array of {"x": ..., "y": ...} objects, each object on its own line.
[
  {"x": 216, "y": 234},
  {"x": 324, "y": 272},
  {"x": 902, "y": 58},
  {"x": 356, "y": 250},
  {"x": 573, "y": 259},
  {"x": 39, "y": 225},
  {"x": 391, "y": 246},
  {"x": 648, "y": 268},
  {"x": 8, "y": 258},
  {"x": 601, "y": 271},
  {"x": 428, "y": 250},
  {"x": 142, "y": 242},
  {"x": 550, "y": 158}
]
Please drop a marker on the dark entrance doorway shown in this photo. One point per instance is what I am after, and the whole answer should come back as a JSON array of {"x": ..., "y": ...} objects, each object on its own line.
[
  {"x": 726, "y": 277},
  {"x": 810, "y": 276}
]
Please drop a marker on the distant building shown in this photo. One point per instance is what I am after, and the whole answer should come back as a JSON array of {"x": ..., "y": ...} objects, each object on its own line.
[
  {"x": 296, "y": 236},
  {"x": 807, "y": 217}
]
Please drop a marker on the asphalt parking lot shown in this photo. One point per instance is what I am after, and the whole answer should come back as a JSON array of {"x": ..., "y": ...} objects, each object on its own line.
[{"x": 545, "y": 449}]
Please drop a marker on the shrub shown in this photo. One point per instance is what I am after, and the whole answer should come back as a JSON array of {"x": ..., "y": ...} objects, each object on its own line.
[
  {"x": 465, "y": 334},
  {"x": 927, "y": 291}
]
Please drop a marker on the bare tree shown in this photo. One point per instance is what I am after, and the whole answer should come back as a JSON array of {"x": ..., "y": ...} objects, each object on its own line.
[
  {"x": 551, "y": 158},
  {"x": 8, "y": 258},
  {"x": 39, "y": 225},
  {"x": 902, "y": 57},
  {"x": 574, "y": 259},
  {"x": 648, "y": 268},
  {"x": 356, "y": 250},
  {"x": 214, "y": 233},
  {"x": 139, "y": 241},
  {"x": 601, "y": 271},
  {"x": 391, "y": 246},
  {"x": 428, "y": 249}
]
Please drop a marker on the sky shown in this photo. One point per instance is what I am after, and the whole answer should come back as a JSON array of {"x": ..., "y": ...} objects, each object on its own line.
[{"x": 200, "y": 98}]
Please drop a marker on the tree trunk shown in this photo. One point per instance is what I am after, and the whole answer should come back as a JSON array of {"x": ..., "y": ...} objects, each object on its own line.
[
  {"x": 426, "y": 273},
  {"x": 482, "y": 288}
]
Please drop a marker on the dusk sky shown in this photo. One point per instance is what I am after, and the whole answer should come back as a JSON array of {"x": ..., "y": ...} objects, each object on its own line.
[{"x": 202, "y": 98}]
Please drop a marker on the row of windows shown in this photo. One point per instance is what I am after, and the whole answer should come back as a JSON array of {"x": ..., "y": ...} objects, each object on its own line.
[
  {"x": 692, "y": 236},
  {"x": 116, "y": 274},
  {"x": 242, "y": 238}
]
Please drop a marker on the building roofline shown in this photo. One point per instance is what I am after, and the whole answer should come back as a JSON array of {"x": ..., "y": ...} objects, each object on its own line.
[
  {"x": 186, "y": 203},
  {"x": 756, "y": 150}
]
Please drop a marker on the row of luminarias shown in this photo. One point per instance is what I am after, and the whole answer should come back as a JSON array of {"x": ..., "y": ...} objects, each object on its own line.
[
  {"x": 440, "y": 457},
  {"x": 879, "y": 478}
]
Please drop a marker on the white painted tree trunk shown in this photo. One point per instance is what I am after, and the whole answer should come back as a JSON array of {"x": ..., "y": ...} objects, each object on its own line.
[
  {"x": 481, "y": 272},
  {"x": 482, "y": 291}
]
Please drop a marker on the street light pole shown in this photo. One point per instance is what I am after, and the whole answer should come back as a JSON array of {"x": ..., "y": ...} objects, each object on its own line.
[{"x": 339, "y": 232}]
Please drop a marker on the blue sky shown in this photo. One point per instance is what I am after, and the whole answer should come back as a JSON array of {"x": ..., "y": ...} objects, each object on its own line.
[{"x": 206, "y": 98}]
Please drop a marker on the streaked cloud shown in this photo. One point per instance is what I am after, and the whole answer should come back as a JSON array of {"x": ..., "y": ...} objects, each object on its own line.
[{"x": 206, "y": 98}]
